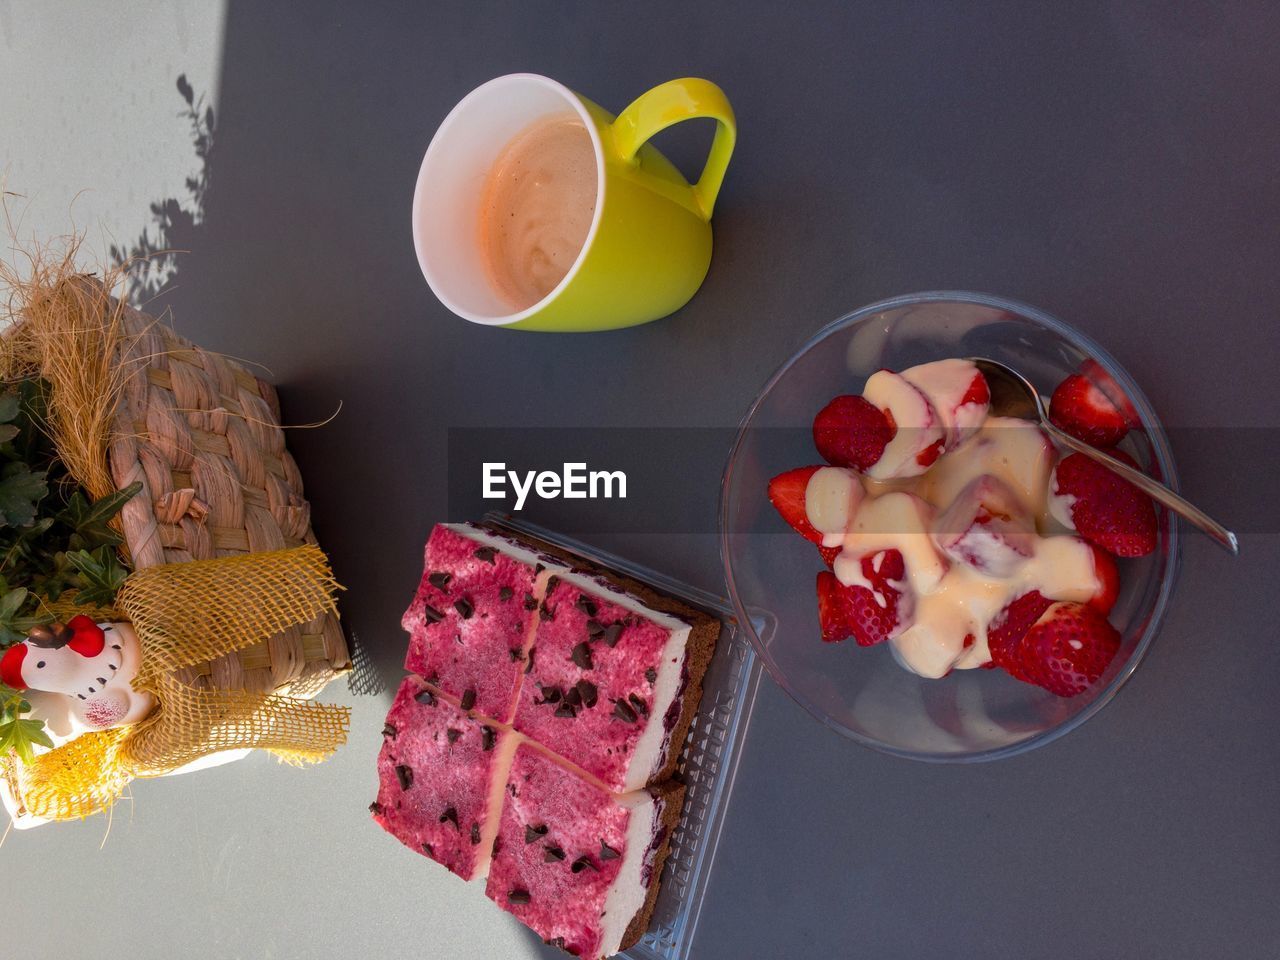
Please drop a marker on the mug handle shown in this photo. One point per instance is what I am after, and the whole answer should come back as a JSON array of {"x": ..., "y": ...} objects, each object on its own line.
[{"x": 668, "y": 104}]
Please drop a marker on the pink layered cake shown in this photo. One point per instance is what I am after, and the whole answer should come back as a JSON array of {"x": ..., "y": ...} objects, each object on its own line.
[
  {"x": 609, "y": 677},
  {"x": 441, "y": 774},
  {"x": 552, "y": 695},
  {"x": 575, "y": 863},
  {"x": 470, "y": 619}
]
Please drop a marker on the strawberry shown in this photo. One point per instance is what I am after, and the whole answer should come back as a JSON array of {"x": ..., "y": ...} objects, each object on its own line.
[
  {"x": 986, "y": 527},
  {"x": 1105, "y": 509},
  {"x": 869, "y": 615},
  {"x": 1082, "y": 408},
  {"x": 929, "y": 455},
  {"x": 1108, "y": 575},
  {"x": 786, "y": 493},
  {"x": 1007, "y": 630},
  {"x": 833, "y": 614},
  {"x": 851, "y": 432},
  {"x": 1067, "y": 649},
  {"x": 978, "y": 391}
]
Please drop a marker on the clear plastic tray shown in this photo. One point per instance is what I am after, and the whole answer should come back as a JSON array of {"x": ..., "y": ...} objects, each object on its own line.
[{"x": 710, "y": 759}]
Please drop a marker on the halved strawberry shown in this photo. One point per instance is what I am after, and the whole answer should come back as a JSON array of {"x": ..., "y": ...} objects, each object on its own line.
[
  {"x": 870, "y": 616},
  {"x": 786, "y": 493},
  {"x": 1084, "y": 410},
  {"x": 1010, "y": 626},
  {"x": 851, "y": 432},
  {"x": 1108, "y": 575},
  {"x": 833, "y": 612},
  {"x": 1067, "y": 649},
  {"x": 1105, "y": 509}
]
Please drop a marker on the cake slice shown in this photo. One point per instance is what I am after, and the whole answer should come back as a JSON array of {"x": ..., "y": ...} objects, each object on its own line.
[
  {"x": 615, "y": 674},
  {"x": 441, "y": 774},
  {"x": 576, "y": 864},
  {"x": 470, "y": 621}
]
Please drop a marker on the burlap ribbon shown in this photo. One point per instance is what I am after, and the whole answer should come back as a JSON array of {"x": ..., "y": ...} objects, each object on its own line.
[{"x": 185, "y": 614}]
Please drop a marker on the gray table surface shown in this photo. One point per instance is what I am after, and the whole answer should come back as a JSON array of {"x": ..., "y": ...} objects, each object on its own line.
[{"x": 1114, "y": 163}]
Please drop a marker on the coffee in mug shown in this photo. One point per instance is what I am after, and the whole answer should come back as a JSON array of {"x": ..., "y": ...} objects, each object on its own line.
[{"x": 536, "y": 208}]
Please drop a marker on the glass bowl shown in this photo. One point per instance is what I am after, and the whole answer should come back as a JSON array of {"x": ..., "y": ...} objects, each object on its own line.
[{"x": 862, "y": 691}]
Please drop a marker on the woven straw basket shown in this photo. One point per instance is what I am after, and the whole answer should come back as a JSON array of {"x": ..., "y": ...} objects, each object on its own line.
[{"x": 203, "y": 436}]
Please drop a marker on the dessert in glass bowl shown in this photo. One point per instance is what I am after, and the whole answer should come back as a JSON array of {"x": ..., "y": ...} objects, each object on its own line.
[
  {"x": 951, "y": 533},
  {"x": 933, "y": 466}
]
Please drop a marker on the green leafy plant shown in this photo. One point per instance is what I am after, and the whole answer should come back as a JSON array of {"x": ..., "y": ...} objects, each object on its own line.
[
  {"x": 18, "y": 733},
  {"x": 54, "y": 543}
]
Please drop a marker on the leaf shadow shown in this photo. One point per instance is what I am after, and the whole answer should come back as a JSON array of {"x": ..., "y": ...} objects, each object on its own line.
[{"x": 175, "y": 223}]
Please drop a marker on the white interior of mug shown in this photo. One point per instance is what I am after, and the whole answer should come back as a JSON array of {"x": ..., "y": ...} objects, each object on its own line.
[{"x": 446, "y": 203}]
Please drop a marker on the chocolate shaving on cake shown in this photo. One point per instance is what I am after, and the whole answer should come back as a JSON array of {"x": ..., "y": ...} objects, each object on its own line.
[
  {"x": 612, "y": 633},
  {"x": 488, "y": 737},
  {"x": 582, "y": 863},
  {"x": 453, "y": 734},
  {"x": 528, "y": 667},
  {"x": 566, "y": 710},
  {"x": 545, "y": 613},
  {"x": 532, "y": 833},
  {"x": 475, "y": 834},
  {"x": 651, "y": 675},
  {"x": 550, "y": 694},
  {"x": 505, "y": 594},
  {"x": 594, "y": 629},
  {"x": 439, "y": 579},
  {"x": 468, "y": 699},
  {"x": 450, "y": 815},
  {"x": 587, "y": 690},
  {"x": 607, "y": 852},
  {"x": 405, "y": 775},
  {"x": 431, "y": 614},
  {"x": 585, "y": 604},
  {"x": 623, "y": 711},
  {"x": 486, "y": 554},
  {"x": 425, "y": 697},
  {"x": 518, "y": 896},
  {"x": 497, "y": 846},
  {"x": 464, "y": 608},
  {"x": 640, "y": 705},
  {"x": 389, "y": 729},
  {"x": 375, "y": 807},
  {"x": 530, "y": 602},
  {"x": 581, "y": 656},
  {"x": 553, "y": 854},
  {"x": 429, "y": 850},
  {"x": 515, "y": 655}
]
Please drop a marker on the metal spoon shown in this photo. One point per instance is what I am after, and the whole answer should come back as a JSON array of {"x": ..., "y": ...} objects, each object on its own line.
[{"x": 1012, "y": 395}]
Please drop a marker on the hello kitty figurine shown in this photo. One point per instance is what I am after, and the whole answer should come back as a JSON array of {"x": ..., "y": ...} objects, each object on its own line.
[{"x": 92, "y": 664}]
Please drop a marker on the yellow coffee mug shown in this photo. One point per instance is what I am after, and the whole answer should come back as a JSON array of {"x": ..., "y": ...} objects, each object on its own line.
[{"x": 649, "y": 245}]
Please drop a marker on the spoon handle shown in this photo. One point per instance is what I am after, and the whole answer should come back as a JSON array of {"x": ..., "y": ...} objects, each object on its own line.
[{"x": 1152, "y": 488}]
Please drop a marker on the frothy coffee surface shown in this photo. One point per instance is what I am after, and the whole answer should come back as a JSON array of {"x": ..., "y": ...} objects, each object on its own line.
[{"x": 536, "y": 209}]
